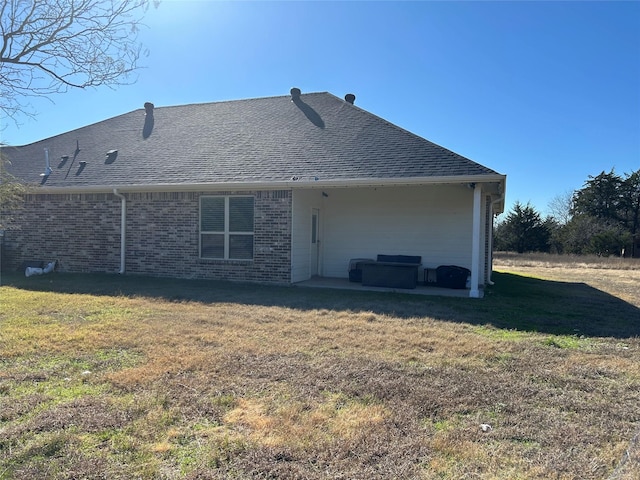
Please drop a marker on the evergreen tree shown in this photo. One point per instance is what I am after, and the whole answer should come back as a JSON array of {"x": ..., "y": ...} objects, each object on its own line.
[
  {"x": 601, "y": 197},
  {"x": 605, "y": 216},
  {"x": 630, "y": 208},
  {"x": 522, "y": 231}
]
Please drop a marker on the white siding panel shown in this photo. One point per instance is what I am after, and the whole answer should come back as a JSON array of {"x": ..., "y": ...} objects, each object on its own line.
[{"x": 431, "y": 221}]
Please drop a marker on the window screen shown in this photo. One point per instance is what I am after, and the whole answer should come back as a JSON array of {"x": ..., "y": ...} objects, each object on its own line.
[{"x": 226, "y": 227}]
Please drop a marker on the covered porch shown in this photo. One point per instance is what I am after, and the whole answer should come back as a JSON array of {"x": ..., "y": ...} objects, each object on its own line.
[{"x": 444, "y": 224}]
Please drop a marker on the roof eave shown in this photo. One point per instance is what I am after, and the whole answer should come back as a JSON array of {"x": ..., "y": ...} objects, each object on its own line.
[{"x": 275, "y": 185}]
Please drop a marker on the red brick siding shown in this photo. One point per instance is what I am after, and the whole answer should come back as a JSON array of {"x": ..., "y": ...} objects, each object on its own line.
[{"x": 162, "y": 236}]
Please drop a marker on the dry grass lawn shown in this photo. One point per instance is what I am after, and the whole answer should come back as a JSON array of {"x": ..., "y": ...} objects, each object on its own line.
[
  {"x": 616, "y": 276},
  {"x": 130, "y": 378}
]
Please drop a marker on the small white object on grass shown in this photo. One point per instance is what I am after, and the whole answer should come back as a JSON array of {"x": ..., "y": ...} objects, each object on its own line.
[{"x": 485, "y": 427}]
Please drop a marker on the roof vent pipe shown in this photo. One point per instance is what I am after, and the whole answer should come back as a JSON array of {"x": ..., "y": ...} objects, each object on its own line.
[
  {"x": 47, "y": 165},
  {"x": 350, "y": 98},
  {"x": 295, "y": 94}
]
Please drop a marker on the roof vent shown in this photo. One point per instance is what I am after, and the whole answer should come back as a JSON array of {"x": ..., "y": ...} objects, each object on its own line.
[
  {"x": 295, "y": 93},
  {"x": 47, "y": 165},
  {"x": 111, "y": 156},
  {"x": 350, "y": 98},
  {"x": 148, "y": 120}
]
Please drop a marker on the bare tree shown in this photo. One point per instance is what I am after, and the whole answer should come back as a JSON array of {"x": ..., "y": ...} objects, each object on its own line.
[
  {"x": 560, "y": 207},
  {"x": 50, "y": 46}
]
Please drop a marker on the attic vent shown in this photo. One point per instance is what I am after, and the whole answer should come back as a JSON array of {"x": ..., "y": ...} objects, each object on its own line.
[
  {"x": 295, "y": 93},
  {"x": 350, "y": 98},
  {"x": 111, "y": 156}
]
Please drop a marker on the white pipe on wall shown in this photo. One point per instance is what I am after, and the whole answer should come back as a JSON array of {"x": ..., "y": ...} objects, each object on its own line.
[
  {"x": 475, "y": 245},
  {"x": 123, "y": 229}
]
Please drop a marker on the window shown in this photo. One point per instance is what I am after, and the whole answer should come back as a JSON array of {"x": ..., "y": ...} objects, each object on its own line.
[
  {"x": 226, "y": 228},
  {"x": 314, "y": 228}
]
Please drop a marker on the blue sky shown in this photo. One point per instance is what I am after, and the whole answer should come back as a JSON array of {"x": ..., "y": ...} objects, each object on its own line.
[{"x": 547, "y": 93}]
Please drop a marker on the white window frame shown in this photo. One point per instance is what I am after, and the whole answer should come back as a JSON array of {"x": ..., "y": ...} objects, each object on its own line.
[{"x": 226, "y": 233}]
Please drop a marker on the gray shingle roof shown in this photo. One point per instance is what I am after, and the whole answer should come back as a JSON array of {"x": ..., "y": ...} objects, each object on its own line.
[{"x": 265, "y": 140}]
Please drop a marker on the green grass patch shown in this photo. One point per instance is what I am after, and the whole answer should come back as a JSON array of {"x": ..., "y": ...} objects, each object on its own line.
[{"x": 567, "y": 341}]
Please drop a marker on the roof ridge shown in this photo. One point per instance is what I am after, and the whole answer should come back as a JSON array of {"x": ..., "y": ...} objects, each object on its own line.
[
  {"x": 159, "y": 107},
  {"x": 230, "y": 100}
]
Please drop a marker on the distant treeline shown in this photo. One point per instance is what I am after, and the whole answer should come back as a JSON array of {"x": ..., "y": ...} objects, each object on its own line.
[{"x": 602, "y": 218}]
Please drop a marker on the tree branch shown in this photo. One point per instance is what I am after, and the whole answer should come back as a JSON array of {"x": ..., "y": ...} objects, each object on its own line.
[{"x": 73, "y": 44}]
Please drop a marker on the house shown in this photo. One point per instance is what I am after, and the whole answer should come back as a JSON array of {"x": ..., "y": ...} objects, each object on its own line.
[{"x": 274, "y": 190}]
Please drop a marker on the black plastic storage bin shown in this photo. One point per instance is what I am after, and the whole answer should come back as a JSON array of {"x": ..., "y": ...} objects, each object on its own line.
[
  {"x": 452, "y": 276},
  {"x": 355, "y": 268}
]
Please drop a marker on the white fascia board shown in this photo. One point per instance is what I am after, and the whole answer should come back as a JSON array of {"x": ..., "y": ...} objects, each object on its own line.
[
  {"x": 393, "y": 182},
  {"x": 289, "y": 184}
]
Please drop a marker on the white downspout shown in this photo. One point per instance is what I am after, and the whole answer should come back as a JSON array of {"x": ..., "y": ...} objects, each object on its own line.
[
  {"x": 475, "y": 245},
  {"x": 499, "y": 199},
  {"x": 123, "y": 229}
]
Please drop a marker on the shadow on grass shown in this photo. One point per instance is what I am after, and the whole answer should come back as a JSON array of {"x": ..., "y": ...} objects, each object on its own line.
[{"x": 514, "y": 302}]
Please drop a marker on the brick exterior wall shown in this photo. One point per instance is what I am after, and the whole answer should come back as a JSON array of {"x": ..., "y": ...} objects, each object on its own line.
[{"x": 82, "y": 231}]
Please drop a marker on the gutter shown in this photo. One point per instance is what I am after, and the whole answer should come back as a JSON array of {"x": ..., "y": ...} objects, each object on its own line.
[
  {"x": 303, "y": 182},
  {"x": 123, "y": 229}
]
